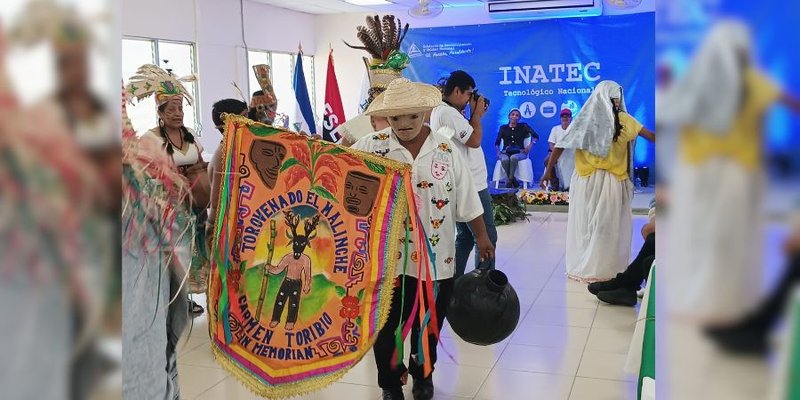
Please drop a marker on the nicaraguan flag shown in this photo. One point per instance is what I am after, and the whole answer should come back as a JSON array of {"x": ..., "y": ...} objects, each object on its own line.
[{"x": 306, "y": 115}]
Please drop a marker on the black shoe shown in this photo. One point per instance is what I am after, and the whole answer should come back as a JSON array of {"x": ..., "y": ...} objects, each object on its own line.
[
  {"x": 393, "y": 394},
  {"x": 423, "y": 388},
  {"x": 743, "y": 339},
  {"x": 619, "y": 297},
  {"x": 597, "y": 287}
]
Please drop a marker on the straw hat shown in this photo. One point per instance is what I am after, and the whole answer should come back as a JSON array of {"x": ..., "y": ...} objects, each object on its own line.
[{"x": 404, "y": 97}]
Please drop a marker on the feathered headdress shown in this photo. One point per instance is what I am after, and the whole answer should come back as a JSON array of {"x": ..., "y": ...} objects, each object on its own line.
[
  {"x": 381, "y": 39},
  {"x": 46, "y": 20},
  {"x": 151, "y": 79}
]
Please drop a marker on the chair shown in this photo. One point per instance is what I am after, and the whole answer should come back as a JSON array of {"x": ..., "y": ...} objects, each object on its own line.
[{"x": 524, "y": 172}]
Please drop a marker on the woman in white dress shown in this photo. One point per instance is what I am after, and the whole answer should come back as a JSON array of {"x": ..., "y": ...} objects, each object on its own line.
[
  {"x": 154, "y": 251},
  {"x": 180, "y": 143},
  {"x": 599, "y": 222},
  {"x": 713, "y": 273}
]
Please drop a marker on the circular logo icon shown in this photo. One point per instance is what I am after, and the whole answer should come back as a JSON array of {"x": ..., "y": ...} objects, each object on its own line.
[
  {"x": 570, "y": 105},
  {"x": 527, "y": 109},
  {"x": 548, "y": 109}
]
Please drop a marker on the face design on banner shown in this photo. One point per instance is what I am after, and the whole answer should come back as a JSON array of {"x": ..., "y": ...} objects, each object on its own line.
[
  {"x": 267, "y": 157},
  {"x": 360, "y": 192}
]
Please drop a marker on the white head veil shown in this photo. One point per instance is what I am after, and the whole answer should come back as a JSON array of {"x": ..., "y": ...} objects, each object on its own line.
[
  {"x": 709, "y": 94},
  {"x": 593, "y": 128}
]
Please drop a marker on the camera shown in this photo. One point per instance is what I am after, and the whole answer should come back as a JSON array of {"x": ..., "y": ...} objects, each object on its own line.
[{"x": 476, "y": 96}]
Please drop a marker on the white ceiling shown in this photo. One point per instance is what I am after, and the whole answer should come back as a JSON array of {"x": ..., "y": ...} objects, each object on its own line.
[{"x": 340, "y": 6}]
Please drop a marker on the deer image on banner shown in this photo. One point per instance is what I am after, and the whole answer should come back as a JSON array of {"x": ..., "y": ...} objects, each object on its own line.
[{"x": 298, "y": 270}]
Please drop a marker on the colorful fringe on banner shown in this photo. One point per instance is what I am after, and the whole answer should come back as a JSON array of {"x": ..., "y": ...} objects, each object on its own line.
[{"x": 306, "y": 237}]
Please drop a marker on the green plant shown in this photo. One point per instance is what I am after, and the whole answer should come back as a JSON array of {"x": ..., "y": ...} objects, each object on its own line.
[{"x": 506, "y": 208}]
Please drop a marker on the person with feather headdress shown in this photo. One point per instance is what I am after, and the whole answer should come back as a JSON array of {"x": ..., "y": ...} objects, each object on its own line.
[
  {"x": 47, "y": 257},
  {"x": 186, "y": 153},
  {"x": 68, "y": 34},
  {"x": 441, "y": 175},
  {"x": 80, "y": 114},
  {"x": 381, "y": 38},
  {"x": 156, "y": 247}
]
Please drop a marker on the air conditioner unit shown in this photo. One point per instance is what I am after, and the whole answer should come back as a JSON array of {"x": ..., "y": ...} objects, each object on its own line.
[{"x": 542, "y": 9}]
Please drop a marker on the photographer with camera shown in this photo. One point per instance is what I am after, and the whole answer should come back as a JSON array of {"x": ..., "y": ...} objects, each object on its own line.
[{"x": 458, "y": 91}]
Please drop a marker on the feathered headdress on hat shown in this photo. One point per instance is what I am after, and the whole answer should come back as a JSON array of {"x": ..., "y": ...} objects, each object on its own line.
[
  {"x": 46, "y": 20},
  {"x": 382, "y": 41},
  {"x": 153, "y": 80}
]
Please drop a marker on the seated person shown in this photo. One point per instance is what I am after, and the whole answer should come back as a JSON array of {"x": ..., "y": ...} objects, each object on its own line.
[
  {"x": 513, "y": 136},
  {"x": 566, "y": 163},
  {"x": 621, "y": 290},
  {"x": 750, "y": 335}
]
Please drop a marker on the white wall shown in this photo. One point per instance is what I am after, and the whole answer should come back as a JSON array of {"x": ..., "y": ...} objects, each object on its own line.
[{"x": 217, "y": 31}]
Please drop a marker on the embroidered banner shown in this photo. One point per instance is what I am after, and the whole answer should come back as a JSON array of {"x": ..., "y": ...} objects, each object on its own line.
[{"x": 305, "y": 255}]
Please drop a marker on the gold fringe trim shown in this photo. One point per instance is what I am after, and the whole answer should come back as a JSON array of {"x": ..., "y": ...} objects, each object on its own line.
[{"x": 281, "y": 391}]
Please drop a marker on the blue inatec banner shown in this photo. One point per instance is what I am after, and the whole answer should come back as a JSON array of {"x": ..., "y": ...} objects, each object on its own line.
[{"x": 541, "y": 67}]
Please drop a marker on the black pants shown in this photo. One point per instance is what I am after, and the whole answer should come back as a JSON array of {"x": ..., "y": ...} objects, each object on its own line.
[
  {"x": 389, "y": 376},
  {"x": 289, "y": 292},
  {"x": 773, "y": 307},
  {"x": 639, "y": 269}
]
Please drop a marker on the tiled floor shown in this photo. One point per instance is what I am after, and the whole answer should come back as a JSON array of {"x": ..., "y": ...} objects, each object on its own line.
[{"x": 566, "y": 346}]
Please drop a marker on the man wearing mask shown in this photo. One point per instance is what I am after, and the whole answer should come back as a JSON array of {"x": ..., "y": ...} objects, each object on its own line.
[{"x": 457, "y": 91}]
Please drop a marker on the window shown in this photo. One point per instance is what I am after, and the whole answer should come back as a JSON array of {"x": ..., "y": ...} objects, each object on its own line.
[
  {"x": 282, "y": 77},
  {"x": 177, "y": 56}
]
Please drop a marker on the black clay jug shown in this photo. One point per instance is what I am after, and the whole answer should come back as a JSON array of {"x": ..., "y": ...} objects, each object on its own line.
[{"x": 484, "y": 308}]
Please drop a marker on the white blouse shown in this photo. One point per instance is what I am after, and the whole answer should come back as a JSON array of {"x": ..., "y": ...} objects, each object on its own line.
[{"x": 189, "y": 155}]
